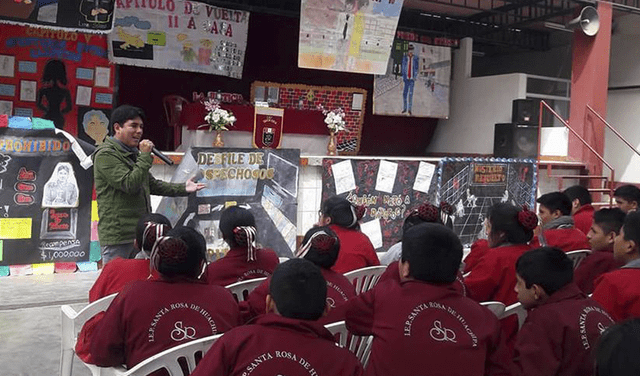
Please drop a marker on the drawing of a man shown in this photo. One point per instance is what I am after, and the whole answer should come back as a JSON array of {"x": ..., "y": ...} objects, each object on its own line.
[
  {"x": 410, "y": 64},
  {"x": 61, "y": 190}
]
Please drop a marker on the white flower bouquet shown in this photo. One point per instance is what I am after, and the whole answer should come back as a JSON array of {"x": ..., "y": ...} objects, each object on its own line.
[
  {"x": 218, "y": 118},
  {"x": 334, "y": 119}
]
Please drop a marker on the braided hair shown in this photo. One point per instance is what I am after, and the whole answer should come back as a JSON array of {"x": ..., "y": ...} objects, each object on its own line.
[
  {"x": 181, "y": 252},
  {"x": 321, "y": 246},
  {"x": 342, "y": 212}
]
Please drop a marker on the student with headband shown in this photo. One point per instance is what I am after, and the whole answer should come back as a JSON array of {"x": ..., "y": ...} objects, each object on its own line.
[
  {"x": 244, "y": 260},
  {"x": 356, "y": 250}
]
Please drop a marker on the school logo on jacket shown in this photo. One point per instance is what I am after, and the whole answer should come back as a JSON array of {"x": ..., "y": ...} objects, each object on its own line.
[
  {"x": 181, "y": 333},
  {"x": 592, "y": 322},
  {"x": 443, "y": 323},
  {"x": 180, "y": 322}
]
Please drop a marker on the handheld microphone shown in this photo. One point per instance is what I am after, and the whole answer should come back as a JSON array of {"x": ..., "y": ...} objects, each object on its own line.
[{"x": 163, "y": 157}]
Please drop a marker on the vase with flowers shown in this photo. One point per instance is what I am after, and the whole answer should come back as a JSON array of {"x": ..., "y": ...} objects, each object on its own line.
[
  {"x": 335, "y": 122},
  {"x": 219, "y": 120}
]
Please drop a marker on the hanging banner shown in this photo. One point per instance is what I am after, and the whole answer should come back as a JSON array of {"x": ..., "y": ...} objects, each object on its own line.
[
  {"x": 416, "y": 83},
  {"x": 179, "y": 35},
  {"x": 351, "y": 36},
  {"x": 95, "y": 16},
  {"x": 267, "y": 127},
  {"x": 57, "y": 75},
  {"x": 45, "y": 198}
]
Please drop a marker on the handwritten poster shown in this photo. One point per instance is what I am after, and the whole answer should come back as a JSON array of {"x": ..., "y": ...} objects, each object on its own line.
[{"x": 180, "y": 35}]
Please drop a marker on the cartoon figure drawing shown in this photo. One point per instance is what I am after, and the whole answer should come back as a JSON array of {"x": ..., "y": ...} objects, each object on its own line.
[
  {"x": 54, "y": 92},
  {"x": 62, "y": 189},
  {"x": 130, "y": 40},
  {"x": 204, "y": 52},
  {"x": 187, "y": 53},
  {"x": 410, "y": 65},
  {"x": 96, "y": 11},
  {"x": 471, "y": 199},
  {"x": 96, "y": 125}
]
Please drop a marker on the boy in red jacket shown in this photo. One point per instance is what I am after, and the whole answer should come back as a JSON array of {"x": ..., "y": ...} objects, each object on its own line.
[
  {"x": 289, "y": 341},
  {"x": 562, "y": 325},
  {"x": 627, "y": 197},
  {"x": 422, "y": 325},
  {"x": 557, "y": 224},
  {"x": 581, "y": 208},
  {"x": 619, "y": 291}
]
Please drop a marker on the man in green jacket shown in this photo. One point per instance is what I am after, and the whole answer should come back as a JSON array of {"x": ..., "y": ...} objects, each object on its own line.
[{"x": 124, "y": 184}]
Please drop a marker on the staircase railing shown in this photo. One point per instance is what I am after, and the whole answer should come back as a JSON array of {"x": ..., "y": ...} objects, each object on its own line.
[{"x": 613, "y": 130}]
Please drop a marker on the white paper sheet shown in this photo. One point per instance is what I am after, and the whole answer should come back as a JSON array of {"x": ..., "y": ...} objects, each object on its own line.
[
  {"x": 103, "y": 77},
  {"x": 28, "y": 91},
  {"x": 423, "y": 177},
  {"x": 83, "y": 96},
  {"x": 373, "y": 230},
  {"x": 343, "y": 175},
  {"x": 386, "y": 176}
]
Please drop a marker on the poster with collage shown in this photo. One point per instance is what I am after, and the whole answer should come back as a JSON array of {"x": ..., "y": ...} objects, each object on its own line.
[{"x": 57, "y": 75}]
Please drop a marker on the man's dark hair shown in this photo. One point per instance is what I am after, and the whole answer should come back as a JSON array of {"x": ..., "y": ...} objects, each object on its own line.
[
  {"x": 631, "y": 227},
  {"x": 341, "y": 212},
  {"x": 610, "y": 220},
  {"x": 324, "y": 258},
  {"x": 123, "y": 113},
  {"x": 617, "y": 350},
  {"x": 628, "y": 192},
  {"x": 231, "y": 218},
  {"x": 298, "y": 290},
  {"x": 433, "y": 251},
  {"x": 556, "y": 201},
  {"x": 504, "y": 219},
  {"x": 548, "y": 267},
  {"x": 579, "y": 192},
  {"x": 188, "y": 264},
  {"x": 151, "y": 217}
]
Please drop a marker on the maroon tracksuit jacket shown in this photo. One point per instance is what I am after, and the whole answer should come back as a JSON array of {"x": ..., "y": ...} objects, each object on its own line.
[
  {"x": 277, "y": 345},
  {"x": 421, "y": 328},
  {"x": 234, "y": 267},
  {"x": 593, "y": 266},
  {"x": 558, "y": 337},
  {"x": 356, "y": 250},
  {"x": 583, "y": 218},
  {"x": 567, "y": 239},
  {"x": 619, "y": 293},
  {"x": 393, "y": 273}
]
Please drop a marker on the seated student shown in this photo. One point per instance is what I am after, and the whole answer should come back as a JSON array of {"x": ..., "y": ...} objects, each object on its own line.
[
  {"x": 288, "y": 340},
  {"x": 627, "y": 197},
  {"x": 320, "y": 246},
  {"x": 617, "y": 350},
  {"x": 619, "y": 291},
  {"x": 150, "y": 316},
  {"x": 423, "y": 325},
  {"x": 557, "y": 225},
  {"x": 244, "y": 260},
  {"x": 562, "y": 324},
  {"x": 356, "y": 250},
  {"x": 581, "y": 208},
  {"x": 606, "y": 226}
]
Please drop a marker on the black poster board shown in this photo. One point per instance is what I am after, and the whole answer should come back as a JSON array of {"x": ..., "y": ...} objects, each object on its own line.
[{"x": 45, "y": 199}]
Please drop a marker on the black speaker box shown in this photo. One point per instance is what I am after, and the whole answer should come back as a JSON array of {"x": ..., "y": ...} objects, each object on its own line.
[
  {"x": 525, "y": 111},
  {"x": 515, "y": 141}
]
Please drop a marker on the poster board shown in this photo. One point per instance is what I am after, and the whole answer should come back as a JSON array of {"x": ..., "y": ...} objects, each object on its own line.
[
  {"x": 180, "y": 35},
  {"x": 263, "y": 181},
  {"x": 45, "y": 199},
  {"x": 389, "y": 189}
]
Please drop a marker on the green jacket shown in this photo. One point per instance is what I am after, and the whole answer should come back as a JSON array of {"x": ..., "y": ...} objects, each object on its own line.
[{"x": 123, "y": 190}]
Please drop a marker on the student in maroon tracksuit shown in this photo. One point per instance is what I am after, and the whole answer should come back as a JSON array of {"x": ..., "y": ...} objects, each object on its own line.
[
  {"x": 617, "y": 350},
  {"x": 619, "y": 291},
  {"x": 244, "y": 260},
  {"x": 606, "y": 226},
  {"x": 150, "y": 316},
  {"x": 562, "y": 325},
  {"x": 356, "y": 250},
  {"x": 557, "y": 224},
  {"x": 422, "y": 325},
  {"x": 627, "y": 197},
  {"x": 320, "y": 246},
  {"x": 581, "y": 208},
  {"x": 289, "y": 341}
]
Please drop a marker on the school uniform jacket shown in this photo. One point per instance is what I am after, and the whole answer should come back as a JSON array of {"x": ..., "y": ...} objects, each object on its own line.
[
  {"x": 356, "y": 250},
  {"x": 619, "y": 291},
  {"x": 593, "y": 266},
  {"x": 339, "y": 291},
  {"x": 277, "y": 345},
  {"x": 567, "y": 239},
  {"x": 148, "y": 317},
  {"x": 234, "y": 267},
  {"x": 583, "y": 218},
  {"x": 478, "y": 249},
  {"x": 423, "y": 328},
  {"x": 393, "y": 273},
  {"x": 558, "y": 337}
]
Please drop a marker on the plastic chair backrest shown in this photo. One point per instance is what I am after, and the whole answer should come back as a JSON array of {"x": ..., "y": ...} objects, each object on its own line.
[
  {"x": 241, "y": 290},
  {"x": 364, "y": 279},
  {"x": 283, "y": 259},
  {"x": 515, "y": 309},
  {"x": 360, "y": 346},
  {"x": 497, "y": 308},
  {"x": 72, "y": 322},
  {"x": 577, "y": 256}
]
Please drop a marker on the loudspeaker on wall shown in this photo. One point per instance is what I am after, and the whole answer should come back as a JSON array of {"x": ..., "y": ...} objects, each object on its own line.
[
  {"x": 525, "y": 111},
  {"x": 515, "y": 141}
]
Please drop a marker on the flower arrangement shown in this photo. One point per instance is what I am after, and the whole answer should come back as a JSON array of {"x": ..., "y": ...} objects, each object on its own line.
[
  {"x": 334, "y": 119},
  {"x": 218, "y": 118}
]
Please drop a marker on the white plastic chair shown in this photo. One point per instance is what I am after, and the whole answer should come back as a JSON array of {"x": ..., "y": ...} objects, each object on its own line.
[
  {"x": 515, "y": 309},
  {"x": 364, "y": 279},
  {"x": 359, "y": 345},
  {"x": 578, "y": 256},
  {"x": 72, "y": 322},
  {"x": 283, "y": 259},
  {"x": 497, "y": 308},
  {"x": 188, "y": 354},
  {"x": 241, "y": 290}
]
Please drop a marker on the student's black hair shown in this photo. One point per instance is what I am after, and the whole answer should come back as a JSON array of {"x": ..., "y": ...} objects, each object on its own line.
[
  {"x": 298, "y": 290},
  {"x": 610, "y": 220},
  {"x": 433, "y": 251},
  {"x": 341, "y": 212},
  {"x": 628, "y": 192},
  {"x": 503, "y": 218},
  {"x": 548, "y": 267},
  {"x": 123, "y": 113},
  {"x": 556, "y": 201},
  {"x": 141, "y": 225},
  {"x": 617, "y": 351},
  {"x": 579, "y": 192},
  {"x": 55, "y": 70},
  {"x": 231, "y": 218},
  {"x": 324, "y": 257},
  {"x": 631, "y": 227},
  {"x": 188, "y": 265}
]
